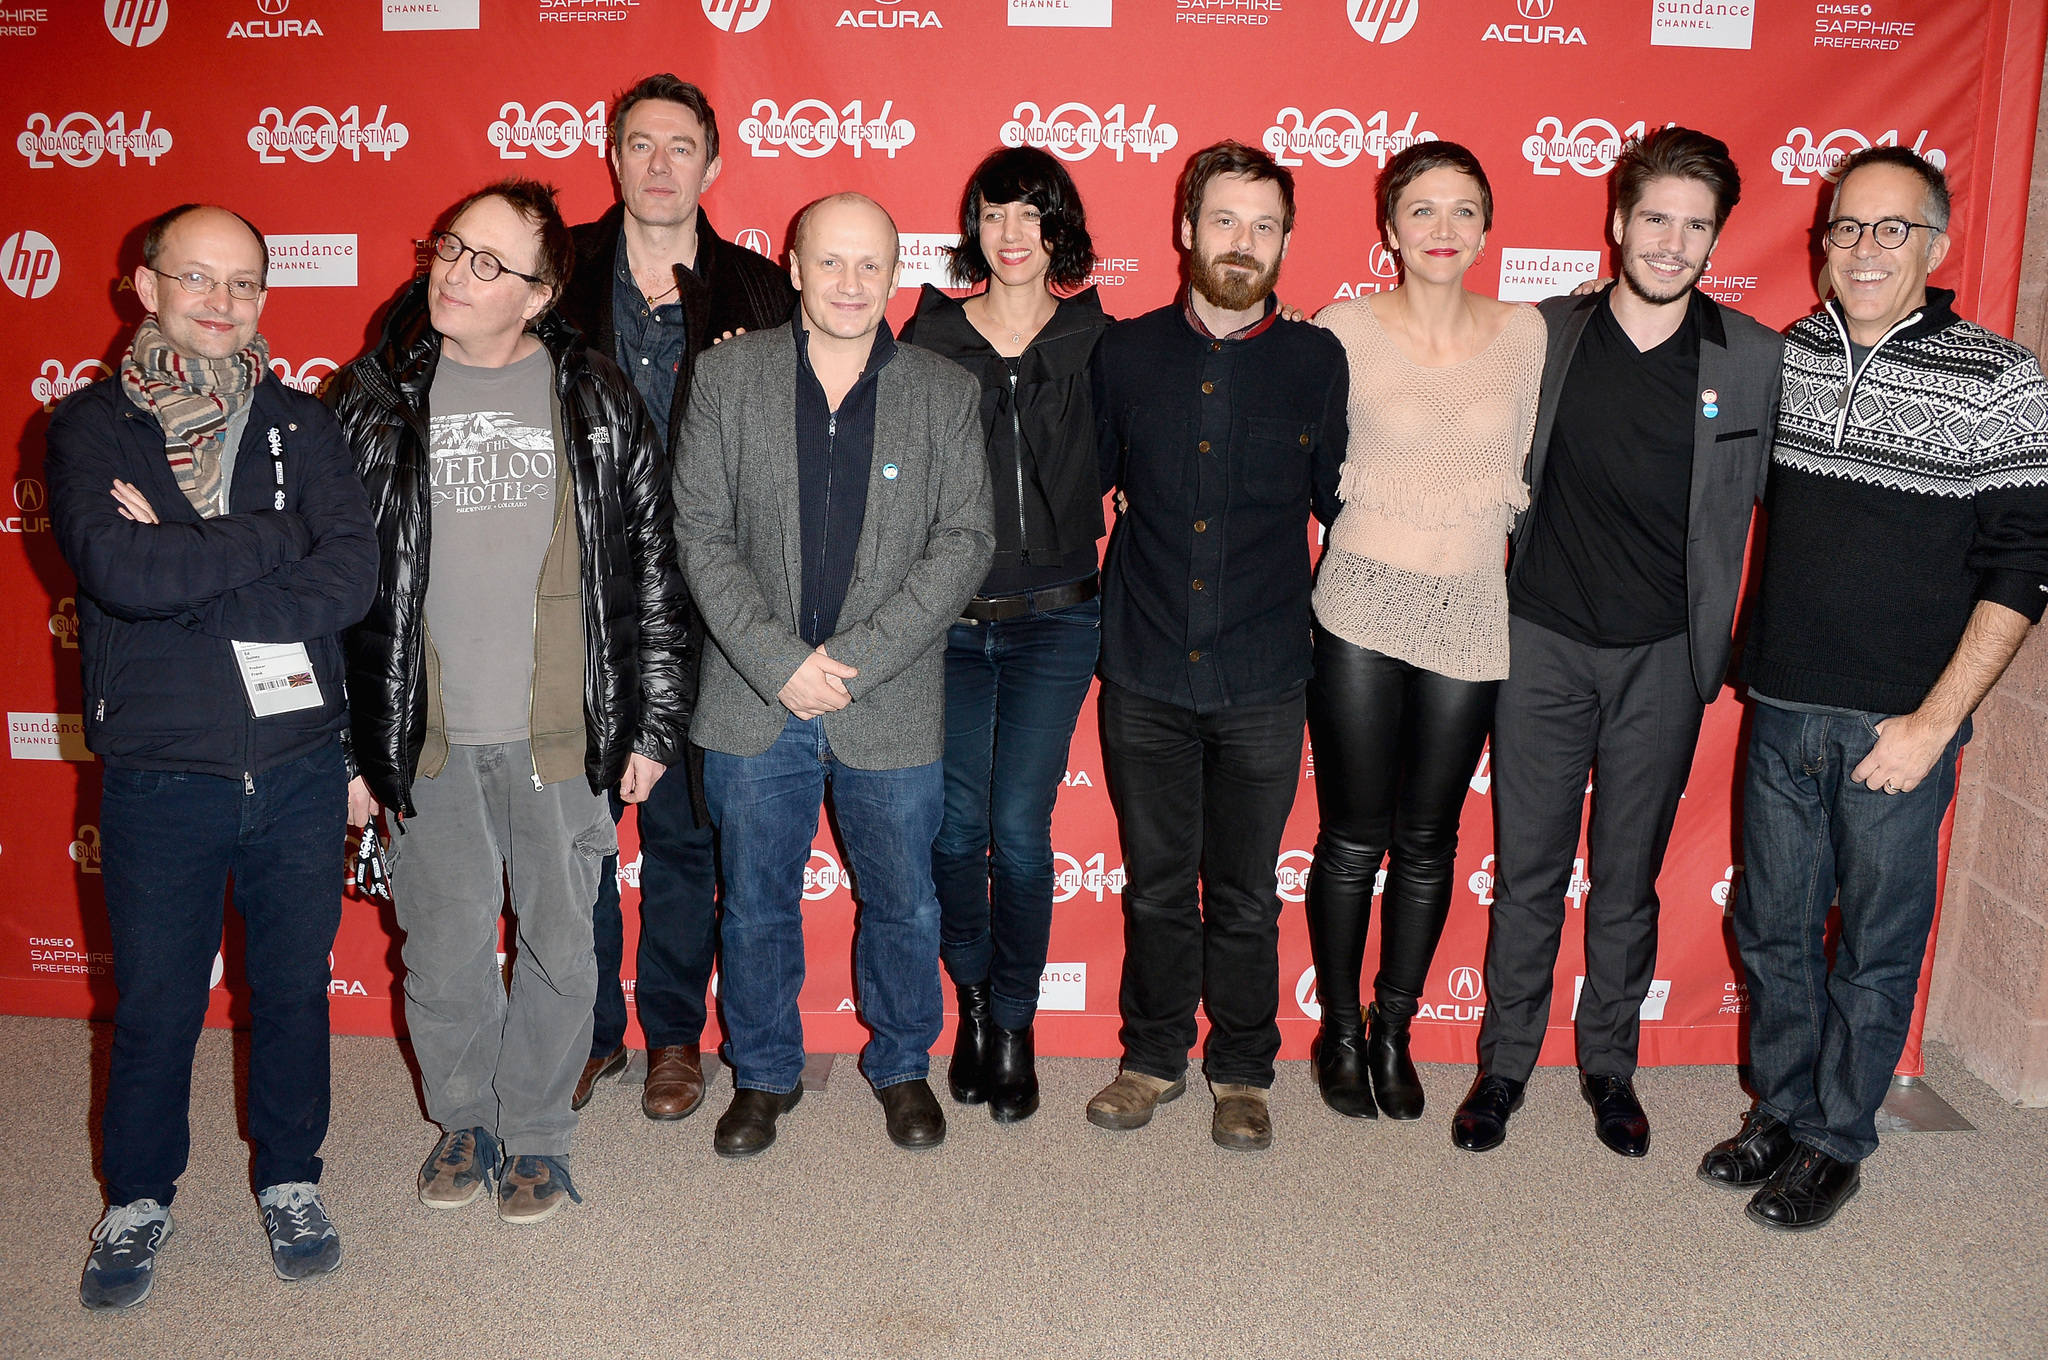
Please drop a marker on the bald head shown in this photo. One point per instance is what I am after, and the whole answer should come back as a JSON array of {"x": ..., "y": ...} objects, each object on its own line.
[
  {"x": 212, "y": 249},
  {"x": 847, "y": 207},
  {"x": 845, "y": 262}
]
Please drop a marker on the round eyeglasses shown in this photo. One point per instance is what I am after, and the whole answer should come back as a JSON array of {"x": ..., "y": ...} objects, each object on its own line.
[
  {"x": 1891, "y": 232},
  {"x": 486, "y": 266}
]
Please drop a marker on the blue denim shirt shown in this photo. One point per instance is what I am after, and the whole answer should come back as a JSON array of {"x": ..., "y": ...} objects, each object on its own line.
[{"x": 650, "y": 340}]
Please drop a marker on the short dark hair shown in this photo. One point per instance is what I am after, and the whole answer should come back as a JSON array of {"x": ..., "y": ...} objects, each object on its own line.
[
  {"x": 160, "y": 226},
  {"x": 1231, "y": 157},
  {"x": 1418, "y": 160},
  {"x": 1676, "y": 153},
  {"x": 535, "y": 203},
  {"x": 1025, "y": 174},
  {"x": 1906, "y": 158},
  {"x": 671, "y": 90}
]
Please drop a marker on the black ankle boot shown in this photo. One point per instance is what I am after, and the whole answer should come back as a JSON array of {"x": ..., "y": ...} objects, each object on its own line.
[
  {"x": 1341, "y": 1071},
  {"x": 1012, "y": 1075},
  {"x": 967, "y": 1074},
  {"x": 1394, "y": 1080}
]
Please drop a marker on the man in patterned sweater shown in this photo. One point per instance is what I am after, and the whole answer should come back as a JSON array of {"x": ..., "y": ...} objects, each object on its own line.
[{"x": 1908, "y": 556}]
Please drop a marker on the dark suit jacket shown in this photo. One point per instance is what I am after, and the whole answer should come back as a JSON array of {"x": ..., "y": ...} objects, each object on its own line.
[{"x": 1731, "y": 457}]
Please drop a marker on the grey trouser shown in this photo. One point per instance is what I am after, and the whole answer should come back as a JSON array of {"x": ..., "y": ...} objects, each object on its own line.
[
  {"x": 1565, "y": 707},
  {"x": 508, "y": 1068}
]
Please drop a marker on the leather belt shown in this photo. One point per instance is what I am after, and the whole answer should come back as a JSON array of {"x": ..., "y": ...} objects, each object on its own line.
[{"x": 984, "y": 609}]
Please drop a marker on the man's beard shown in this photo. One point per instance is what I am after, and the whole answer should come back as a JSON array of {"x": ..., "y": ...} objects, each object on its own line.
[
  {"x": 1233, "y": 292},
  {"x": 1649, "y": 290}
]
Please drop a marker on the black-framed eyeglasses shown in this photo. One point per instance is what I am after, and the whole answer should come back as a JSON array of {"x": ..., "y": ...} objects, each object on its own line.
[
  {"x": 1844, "y": 233},
  {"x": 241, "y": 290},
  {"x": 449, "y": 248}
]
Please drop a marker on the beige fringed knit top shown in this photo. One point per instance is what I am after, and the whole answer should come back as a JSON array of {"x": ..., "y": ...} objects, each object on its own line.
[{"x": 1432, "y": 479}]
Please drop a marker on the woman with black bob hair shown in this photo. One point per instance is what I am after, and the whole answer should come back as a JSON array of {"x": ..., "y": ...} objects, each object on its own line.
[{"x": 1019, "y": 662}]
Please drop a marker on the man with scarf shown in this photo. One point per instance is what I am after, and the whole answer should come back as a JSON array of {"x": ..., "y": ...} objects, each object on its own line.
[{"x": 221, "y": 543}]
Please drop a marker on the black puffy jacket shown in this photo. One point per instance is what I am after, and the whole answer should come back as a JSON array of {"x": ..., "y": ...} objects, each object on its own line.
[{"x": 640, "y": 672}]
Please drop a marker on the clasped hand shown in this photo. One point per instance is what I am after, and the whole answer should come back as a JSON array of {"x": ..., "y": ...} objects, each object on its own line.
[{"x": 818, "y": 687}]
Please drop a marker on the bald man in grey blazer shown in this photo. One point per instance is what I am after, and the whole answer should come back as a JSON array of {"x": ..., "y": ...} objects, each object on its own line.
[{"x": 833, "y": 515}]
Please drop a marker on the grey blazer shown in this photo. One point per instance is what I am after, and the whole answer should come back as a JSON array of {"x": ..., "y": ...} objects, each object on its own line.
[
  {"x": 1731, "y": 457},
  {"x": 924, "y": 549}
]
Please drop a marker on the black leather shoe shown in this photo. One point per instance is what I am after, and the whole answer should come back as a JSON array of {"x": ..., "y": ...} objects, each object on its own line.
[
  {"x": 1395, "y": 1082},
  {"x": 913, "y": 1114},
  {"x": 1481, "y": 1123},
  {"x": 1752, "y": 1156},
  {"x": 1012, "y": 1075},
  {"x": 967, "y": 1074},
  {"x": 1617, "y": 1115},
  {"x": 1805, "y": 1192},
  {"x": 1340, "y": 1071},
  {"x": 748, "y": 1124}
]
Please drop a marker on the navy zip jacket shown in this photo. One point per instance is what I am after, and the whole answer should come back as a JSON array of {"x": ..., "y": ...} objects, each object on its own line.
[{"x": 159, "y": 603}]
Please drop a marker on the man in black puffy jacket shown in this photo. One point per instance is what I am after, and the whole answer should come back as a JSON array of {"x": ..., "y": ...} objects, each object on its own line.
[
  {"x": 221, "y": 543},
  {"x": 502, "y": 684}
]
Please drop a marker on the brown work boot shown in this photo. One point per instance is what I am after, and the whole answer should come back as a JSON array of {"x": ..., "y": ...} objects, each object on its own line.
[
  {"x": 594, "y": 1071},
  {"x": 1128, "y": 1102},
  {"x": 675, "y": 1081},
  {"x": 1242, "y": 1122}
]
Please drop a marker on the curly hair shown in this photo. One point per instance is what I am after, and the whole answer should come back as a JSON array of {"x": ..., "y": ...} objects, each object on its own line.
[{"x": 1026, "y": 175}]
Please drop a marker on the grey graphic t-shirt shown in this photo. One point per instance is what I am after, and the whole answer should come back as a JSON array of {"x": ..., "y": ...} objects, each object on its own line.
[{"x": 493, "y": 451}]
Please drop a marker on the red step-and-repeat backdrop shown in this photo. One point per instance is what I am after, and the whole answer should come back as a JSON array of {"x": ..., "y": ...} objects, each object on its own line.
[{"x": 342, "y": 127}]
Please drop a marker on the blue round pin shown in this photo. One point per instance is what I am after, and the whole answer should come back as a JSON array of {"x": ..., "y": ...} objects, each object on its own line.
[
  {"x": 889, "y": 471},
  {"x": 1710, "y": 410}
]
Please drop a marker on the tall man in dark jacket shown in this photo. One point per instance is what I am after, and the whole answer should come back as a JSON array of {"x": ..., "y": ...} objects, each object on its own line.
[
  {"x": 498, "y": 696},
  {"x": 1908, "y": 557},
  {"x": 1223, "y": 426},
  {"x": 1652, "y": 438},
  {"x": 834, "y": 516},
  {"x": 655, "y": 287},
  {"x": 221, "y": 543}
]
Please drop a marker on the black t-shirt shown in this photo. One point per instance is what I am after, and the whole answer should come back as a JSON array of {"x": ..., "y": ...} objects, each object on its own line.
[{"x": 1604, "y": 561}]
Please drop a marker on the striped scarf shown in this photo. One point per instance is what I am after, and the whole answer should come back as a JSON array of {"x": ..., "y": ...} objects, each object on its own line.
[{"x": 194, "y": 400}]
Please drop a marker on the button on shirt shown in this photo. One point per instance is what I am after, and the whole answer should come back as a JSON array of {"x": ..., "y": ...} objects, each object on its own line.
[{"x": 650, "y": 340}]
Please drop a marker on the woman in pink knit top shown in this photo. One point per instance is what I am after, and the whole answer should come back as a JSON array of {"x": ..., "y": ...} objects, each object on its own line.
[{"x": 1411, "y": 609}]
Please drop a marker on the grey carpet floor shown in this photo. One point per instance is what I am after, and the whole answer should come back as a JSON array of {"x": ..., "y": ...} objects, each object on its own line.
[{"x": 1049, "y": 1238}]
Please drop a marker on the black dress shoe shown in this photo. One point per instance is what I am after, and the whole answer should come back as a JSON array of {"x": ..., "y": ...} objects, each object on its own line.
[
  {"x": 1617, "y": 1115},
  {"x": 1340, "y": 1070},
  {"x": 748, "y": 1124},
  {"x": 1805, "y": 1191},
  {"x": 1481, "y": 1123},
  {"x": 1012, "y": 1075},
  {"x": 967, "y": 1073},
  {"x": 1752, "y": 1156},
  {"x": 1395, "y": 1082},
  {"x": 913, "y": 1114}
]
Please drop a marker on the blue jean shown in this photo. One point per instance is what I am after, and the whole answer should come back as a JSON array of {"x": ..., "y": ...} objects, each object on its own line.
[
  {"x": 1823, "y": 1042},
  {"x": 1013, "y": 693},
  {"x": 678, "y": 924},
  {"x": 766, "y": 810},
  {"x": 169, "y": 843}
]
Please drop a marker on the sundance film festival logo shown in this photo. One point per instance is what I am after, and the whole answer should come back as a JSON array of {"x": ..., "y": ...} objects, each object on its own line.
[
  {"x": 313, "y": 134},
  {"x": 1071, "y": 878},
  {"x": 1074, "y": 132},
  {"x": 1802, "y": 157},
  {"x": 307, "y": 377},
  {"x": 555, "y": 129},
  {"x": 812, "y": 128},
  {"x": 1534, "y": 32},
  {"x": 29, "y": 264},
  {"x": 85, "y": 850},
  {"x": 1382, "y": 21},
  {"x": 736, "y": 16},
  {"x": 64, "y": 623},
  {"x": 1385, "y": 267},
  {"x": 1336, "y": 137},
  {"x": 55, "y": 382},
  {"x": 823, "y": 876},
  {"x": 137, "y": 23},
  {"x": 79, "y": 140},
  {"x": 1590, "y": 148},
  {"x": 1481, "y": 882}
]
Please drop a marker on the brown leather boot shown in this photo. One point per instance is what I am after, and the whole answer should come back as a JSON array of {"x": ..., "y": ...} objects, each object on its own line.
[
  {"x": 1242, "y": 1122},
  {"x": 675, "y": 1081},
  {"x": 594, "y": 1071},
  {"x": 1129, "y": 1101}
]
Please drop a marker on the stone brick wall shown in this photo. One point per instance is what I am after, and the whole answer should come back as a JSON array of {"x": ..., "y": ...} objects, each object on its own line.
[{"x": 1990, "y": 997}]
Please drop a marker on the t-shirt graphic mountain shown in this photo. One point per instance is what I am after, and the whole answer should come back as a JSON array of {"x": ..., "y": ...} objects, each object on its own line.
[{"x": 486, "y": 432}]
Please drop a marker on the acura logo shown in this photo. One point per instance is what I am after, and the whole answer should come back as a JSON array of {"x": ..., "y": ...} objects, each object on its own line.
[
  {"x": 29, "y": 495},
  {"x": 1465, "y": 984},
  {"x": 1534, "y": 9},
  {"x": 280, "y": 6},
  {"x": 756, "y": 240},
  {"x": 1383, "y": 262}
]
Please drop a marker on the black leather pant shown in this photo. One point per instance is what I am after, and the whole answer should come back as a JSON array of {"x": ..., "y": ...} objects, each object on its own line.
[{"x": 1395, "y": 748}]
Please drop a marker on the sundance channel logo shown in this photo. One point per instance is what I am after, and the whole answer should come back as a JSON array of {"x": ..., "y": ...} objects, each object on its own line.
[
  {"x": 47, "y": 736},
  {"x": 312, "y": 261}
]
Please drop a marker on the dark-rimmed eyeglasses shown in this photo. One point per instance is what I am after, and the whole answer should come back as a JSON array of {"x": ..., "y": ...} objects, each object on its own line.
[
  {"x": 1845, "y": 233},
  {"x": 449, "y": 248},
  {"x": 241, "y": 290}
]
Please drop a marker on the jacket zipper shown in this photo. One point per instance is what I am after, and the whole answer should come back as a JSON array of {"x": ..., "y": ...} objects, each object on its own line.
[
  {"x": 1017, "y": 457},
  {"x": 1856, "y": 372},
  {"x": 416, "y": 665},
  {"x": 825, "y": 547}
]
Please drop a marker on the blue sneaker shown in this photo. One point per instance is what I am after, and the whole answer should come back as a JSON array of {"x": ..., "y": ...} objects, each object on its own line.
[
  {"x": 122, "y": 1268},
  {"x": 303, "y": 1242}
]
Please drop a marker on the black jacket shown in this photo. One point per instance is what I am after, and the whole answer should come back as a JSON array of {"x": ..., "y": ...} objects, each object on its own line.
[
  {"x": 639, "y": 681},
  {"x": 1055, "y": 417},
  {"x": 1223, "y": 448},
  {"x": 158, "y": 604},
  {"x": 731, "y": 289}
]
